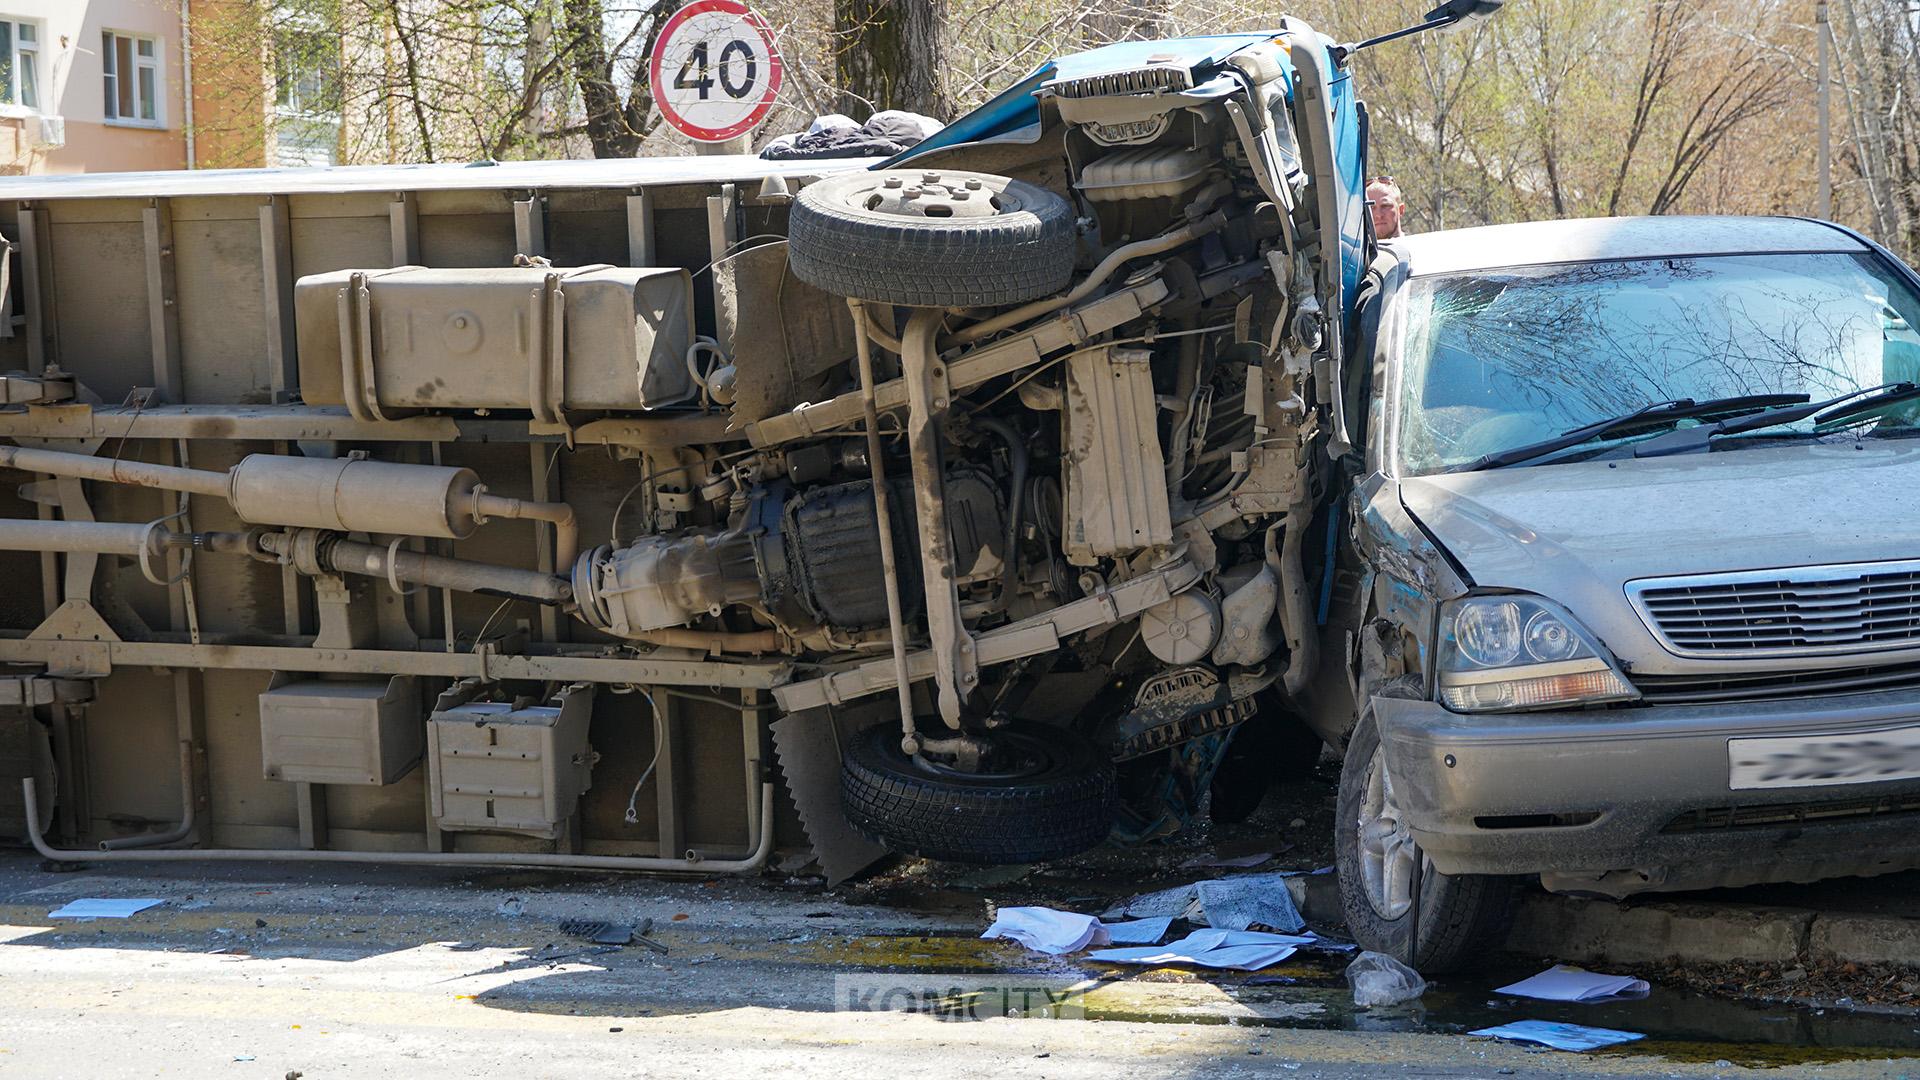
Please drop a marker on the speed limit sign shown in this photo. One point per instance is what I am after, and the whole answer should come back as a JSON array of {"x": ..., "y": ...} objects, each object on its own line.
[{"x": 715, "y": 70}]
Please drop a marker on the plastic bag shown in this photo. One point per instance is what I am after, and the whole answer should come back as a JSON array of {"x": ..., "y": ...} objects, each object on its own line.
[{"x": 1379, "y": 979}]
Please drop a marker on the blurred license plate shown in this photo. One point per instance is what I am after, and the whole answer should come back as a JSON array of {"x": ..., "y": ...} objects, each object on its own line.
[{"x": 1815, "y": 760}]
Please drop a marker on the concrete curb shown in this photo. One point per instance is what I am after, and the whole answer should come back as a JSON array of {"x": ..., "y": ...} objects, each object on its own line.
[
  {"x": 1604, "y": 931},
  {"x": 1655, "y": 931}
]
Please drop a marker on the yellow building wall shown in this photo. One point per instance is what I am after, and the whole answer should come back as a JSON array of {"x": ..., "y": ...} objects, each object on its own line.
[{"x": 71, "y": 78}]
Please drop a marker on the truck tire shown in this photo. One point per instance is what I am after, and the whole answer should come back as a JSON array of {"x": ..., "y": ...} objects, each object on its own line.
[
  {"x": 1054, "y": 797},
  {"x": 931, "y": 238},
  {"x": 1462, "y": 918}
]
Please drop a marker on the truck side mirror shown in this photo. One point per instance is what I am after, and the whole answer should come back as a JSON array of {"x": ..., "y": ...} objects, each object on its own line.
[{"x": 1454, "y": 11}]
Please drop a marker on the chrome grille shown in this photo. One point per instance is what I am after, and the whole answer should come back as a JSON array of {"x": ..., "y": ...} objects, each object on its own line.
[
  {"x": 1724, "y": 686},
  {"x": 1146, "y": 80},
  {"x": 1858, "y": 607}
]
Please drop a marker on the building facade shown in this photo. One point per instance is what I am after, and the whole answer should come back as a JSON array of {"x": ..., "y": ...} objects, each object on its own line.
[{"x": 91, "y": 86}]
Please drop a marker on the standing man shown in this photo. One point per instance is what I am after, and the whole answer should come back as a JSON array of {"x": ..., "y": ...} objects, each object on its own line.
[{"x": 1387, "y": 206}]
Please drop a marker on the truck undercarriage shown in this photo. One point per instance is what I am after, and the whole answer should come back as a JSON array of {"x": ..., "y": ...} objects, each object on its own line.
[{"x": 527, "y": 514}]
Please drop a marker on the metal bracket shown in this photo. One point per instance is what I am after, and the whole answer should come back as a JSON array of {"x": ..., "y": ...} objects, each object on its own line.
[
  {"x": 1028, "y": 637},
  {"x": 956, "y": 670},
  {"x": 547, "y": 373},
  {"x": 356, "y": 350},
  {"x": 19, "y": 389}
]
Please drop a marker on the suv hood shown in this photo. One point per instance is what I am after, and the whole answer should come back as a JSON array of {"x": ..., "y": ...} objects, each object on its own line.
[{"x": 1578, "y": 532}]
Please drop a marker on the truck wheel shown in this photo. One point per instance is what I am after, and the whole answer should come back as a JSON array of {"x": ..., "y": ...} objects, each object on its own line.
[
  {"x": 927, "y": 238},
  {"x": 1046, "y": 793},
  {"x": 1461, "y": 918}
]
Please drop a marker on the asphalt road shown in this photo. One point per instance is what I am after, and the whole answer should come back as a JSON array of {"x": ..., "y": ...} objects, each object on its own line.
[{"x": 340, "y": 972}]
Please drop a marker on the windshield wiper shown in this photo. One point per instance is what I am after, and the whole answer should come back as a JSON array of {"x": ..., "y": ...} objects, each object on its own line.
[
  {"x": 1831, "y": 410},
  {"x": 1658, "y": 414}
]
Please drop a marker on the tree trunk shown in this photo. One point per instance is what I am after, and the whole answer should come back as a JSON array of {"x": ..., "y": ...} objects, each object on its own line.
[
  {"x": 606, "y": 119},
  {"x": 888, "y": 55}
]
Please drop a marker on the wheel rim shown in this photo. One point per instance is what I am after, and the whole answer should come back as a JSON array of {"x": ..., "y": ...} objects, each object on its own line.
[
  {"x": 930, "y": 196},
  {"x": 1386, "y": 844}
]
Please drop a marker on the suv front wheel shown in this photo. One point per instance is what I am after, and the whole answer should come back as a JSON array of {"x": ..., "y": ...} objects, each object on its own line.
[{"x": 1461, "y": 919}]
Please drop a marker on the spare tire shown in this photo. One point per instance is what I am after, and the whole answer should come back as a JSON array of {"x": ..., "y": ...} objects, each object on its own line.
[
  {"x": 931, "y": 238},
  {"x": 1048, "y": 793}
]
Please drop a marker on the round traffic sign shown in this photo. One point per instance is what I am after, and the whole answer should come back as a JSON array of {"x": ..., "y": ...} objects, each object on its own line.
[{"x": 715, "y": 70}]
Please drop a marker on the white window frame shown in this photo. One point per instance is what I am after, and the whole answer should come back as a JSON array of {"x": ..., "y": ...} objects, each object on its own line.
[
  {"x": 294, "y": 108},
  {"x": 15, "y": 106},
  {"x": 111, "y": 75}
]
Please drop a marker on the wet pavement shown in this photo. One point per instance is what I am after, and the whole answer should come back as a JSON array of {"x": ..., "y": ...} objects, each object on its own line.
[{"x": 337, "y": 971}]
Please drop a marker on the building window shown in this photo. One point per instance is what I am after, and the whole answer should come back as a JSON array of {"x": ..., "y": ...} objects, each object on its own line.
[
  {"x": 306, "y": 93},
  {"x": 19, "y": 63},
  {"x": 306, "y": 72},
  {"x": 132, "y": 78}
]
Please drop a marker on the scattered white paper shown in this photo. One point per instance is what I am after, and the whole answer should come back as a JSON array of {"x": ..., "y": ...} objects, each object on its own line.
[
  {"x": 1566, "y": 983},
  {"x": 1237, "y": 903},
  {"x": 1234, "y": 903},
  {"x": 1046, "y": 930},
  {"x": 1560, "y": 1036},
  {"x": 1138, "y": 932},
  {"x": 1174, "y": 903},
  {"x": 1243, "y": 950},
  {"x": 99, "y": 908}
]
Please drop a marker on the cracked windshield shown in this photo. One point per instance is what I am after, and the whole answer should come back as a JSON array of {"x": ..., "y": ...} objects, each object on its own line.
[{"x": 1503, "y": 358}]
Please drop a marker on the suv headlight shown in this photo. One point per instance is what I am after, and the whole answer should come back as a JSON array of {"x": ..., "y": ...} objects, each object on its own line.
[{"x": 1502, "y": 653}]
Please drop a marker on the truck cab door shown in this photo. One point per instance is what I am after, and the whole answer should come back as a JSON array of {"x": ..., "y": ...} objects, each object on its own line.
[{"x": 1327, "y": 124}]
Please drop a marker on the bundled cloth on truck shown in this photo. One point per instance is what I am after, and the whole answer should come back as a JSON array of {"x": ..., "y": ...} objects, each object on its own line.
[{"x": 885, "y": 134}]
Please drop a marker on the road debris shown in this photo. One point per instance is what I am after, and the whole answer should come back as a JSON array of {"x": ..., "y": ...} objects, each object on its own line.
[
  {"x": 1046, "y": 930},
  {"x": 1138, "y": 932},
  {"x": 1564, "y": 982},
  {"x": 1234, "y": 903},
  {"x": 1056, "y": 933},
  {"x": 1575, "y": 1037},
  {"x": 1239, "y": 950},
  {"x": 600, "y": 933},
  {"x": 1378, "y": 979},
  {"x": 640, "y": 935},
  {"x": 93, "y": 907}
]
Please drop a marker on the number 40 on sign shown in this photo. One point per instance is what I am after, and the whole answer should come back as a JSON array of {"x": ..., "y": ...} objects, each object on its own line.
[{"x": 715, "y": 70}]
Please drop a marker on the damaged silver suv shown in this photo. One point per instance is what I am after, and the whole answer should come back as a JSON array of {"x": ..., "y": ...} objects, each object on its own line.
[{"x": 1633, "y": 596}]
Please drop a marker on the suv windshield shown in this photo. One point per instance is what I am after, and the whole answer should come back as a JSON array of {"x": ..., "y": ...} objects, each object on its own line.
[{"x": 1496, "y": 359}]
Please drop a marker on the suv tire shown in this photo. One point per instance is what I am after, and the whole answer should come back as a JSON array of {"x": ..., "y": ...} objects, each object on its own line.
[{"x": 1461, "y": 918}]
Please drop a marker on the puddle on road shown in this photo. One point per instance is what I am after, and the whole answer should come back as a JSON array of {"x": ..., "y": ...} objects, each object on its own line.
[{"x": 1309, "y": 991}]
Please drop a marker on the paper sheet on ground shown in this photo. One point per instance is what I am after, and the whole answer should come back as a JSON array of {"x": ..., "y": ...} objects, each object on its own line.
[
  {"x": 1057, "y": 932},
  {"x": 1234, "y": 903},
  {"x": 1566, "y": 983},
  {"x": 1138, "y": 932},
  {"x": 98, "y": 908},
  {"x": 1243, "y": 950},
  {"x": 1560, "y": 1036},
  {"x": 1046, "y": 930}
]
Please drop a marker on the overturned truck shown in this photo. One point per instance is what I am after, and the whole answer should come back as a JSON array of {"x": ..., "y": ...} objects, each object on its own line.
[{"x": 663, "y": 514}]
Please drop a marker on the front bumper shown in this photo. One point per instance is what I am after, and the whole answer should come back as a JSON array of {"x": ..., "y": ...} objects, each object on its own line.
[{"x": 1614, "y": 790}]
